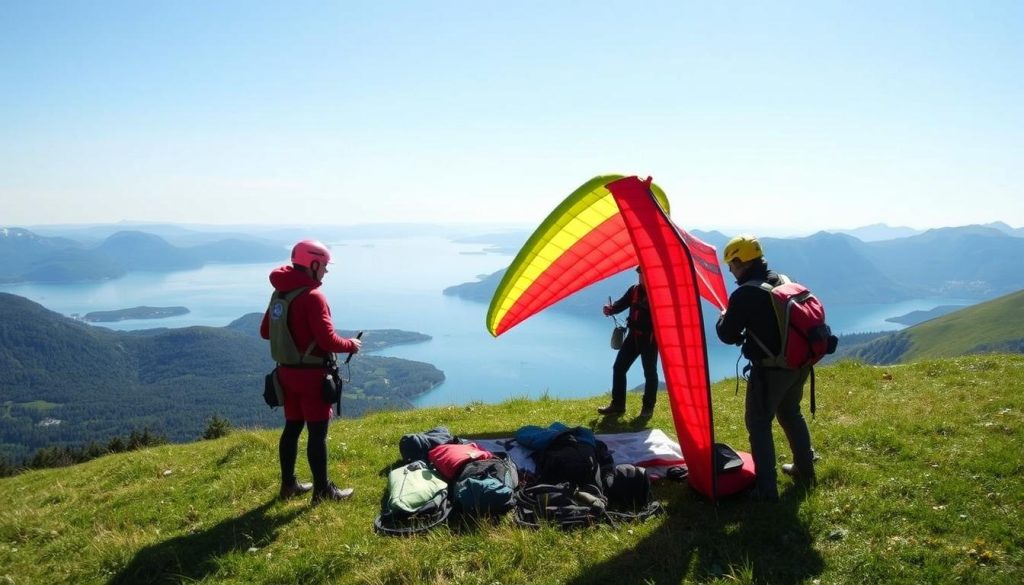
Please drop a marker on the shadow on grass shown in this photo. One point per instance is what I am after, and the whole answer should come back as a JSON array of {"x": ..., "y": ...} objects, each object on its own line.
[
  {"x": 741, "y": 540},
  {"x": 194, "y": 557}
]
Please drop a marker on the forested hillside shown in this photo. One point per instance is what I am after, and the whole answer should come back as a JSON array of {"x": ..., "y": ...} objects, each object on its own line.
[{"x": 66, "y": 383}]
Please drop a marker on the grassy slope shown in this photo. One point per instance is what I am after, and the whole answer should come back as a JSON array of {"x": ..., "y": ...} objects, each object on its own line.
[
  {"x": 920, "y": 482},
  {"x": 960, "y": 332}
]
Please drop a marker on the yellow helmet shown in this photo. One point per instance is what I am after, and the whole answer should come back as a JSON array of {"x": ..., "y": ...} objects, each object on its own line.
[{"x": 743, "y": 248}]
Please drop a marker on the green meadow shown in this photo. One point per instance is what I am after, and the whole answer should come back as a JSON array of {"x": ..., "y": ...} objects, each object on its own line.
[{"x": 920, "y": 482}]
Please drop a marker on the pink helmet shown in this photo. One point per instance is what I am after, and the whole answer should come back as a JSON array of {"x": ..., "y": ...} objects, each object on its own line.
[{"x": 308, "y": 251}]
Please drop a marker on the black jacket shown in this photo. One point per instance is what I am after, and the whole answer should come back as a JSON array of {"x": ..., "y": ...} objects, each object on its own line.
[
  {"x": 639, "y": 319},
  {"x": 751, "y": 309}
]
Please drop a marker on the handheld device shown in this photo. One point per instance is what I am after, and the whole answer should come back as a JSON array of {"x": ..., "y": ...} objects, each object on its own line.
[{"x": 349, "y": 358}]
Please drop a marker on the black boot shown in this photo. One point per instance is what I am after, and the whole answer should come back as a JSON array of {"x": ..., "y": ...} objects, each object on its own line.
[
  {"x": 611, "y": 410},
  {"x": 295, "y": 488},
  {"x": 332, "y": 493}
]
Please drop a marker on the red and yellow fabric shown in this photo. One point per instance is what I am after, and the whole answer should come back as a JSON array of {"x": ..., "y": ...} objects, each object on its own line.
[
  {"x": 609, "y": 224},
  {"x": 581, "y": 242}
]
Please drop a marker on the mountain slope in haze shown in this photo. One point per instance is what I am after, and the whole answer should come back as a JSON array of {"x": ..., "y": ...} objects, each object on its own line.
[
  {"x": 971, "y": 262},
  {"x": 878, "y": 231},
  {"x": 65, "y": 383},
  {"x": 833, "y": 266},
  {"x": 966, "y": 262},
  {"x": 28, "y": 257}
]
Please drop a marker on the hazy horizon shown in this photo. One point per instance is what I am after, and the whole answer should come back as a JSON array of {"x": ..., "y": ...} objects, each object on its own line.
[{"x": 756, "y": 116}]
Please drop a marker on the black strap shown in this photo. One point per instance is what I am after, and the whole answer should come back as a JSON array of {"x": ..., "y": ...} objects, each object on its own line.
[
  {"x": 388, "y": 525},
  {"x": 814, "y": 406}
]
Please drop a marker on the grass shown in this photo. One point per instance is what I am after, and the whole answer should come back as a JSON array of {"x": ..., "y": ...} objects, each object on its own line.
[{"x": 920, "y": 482}]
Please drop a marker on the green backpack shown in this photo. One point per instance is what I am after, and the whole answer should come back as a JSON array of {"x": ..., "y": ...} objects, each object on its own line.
[
  {"x": 416, "y": 501},
  {"x": 282, "y": 345}
]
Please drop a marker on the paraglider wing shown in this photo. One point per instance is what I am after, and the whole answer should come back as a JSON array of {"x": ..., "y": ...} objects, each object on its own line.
[
  {"x": 672, "y": 290},
  {"x": 607, "y": 225},
  {"x": 710, "y": 283},
  {"x": 581, "y": 242}
]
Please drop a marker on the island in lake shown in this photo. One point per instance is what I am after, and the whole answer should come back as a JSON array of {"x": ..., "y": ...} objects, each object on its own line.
[{"x": 134, "y": 313}]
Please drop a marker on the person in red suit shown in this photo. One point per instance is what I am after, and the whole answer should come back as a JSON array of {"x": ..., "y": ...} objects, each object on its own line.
[{"x": 302, "y": 341}]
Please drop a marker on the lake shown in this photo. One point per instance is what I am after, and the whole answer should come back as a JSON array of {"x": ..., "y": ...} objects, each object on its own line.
[{"x": 397, "y": 284}]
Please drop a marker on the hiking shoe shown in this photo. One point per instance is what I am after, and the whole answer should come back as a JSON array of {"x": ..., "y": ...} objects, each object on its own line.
[
  {"x": 295, "y": 489},
  {"x": 647, "y": 412},
  {"x": 611, "y": 410},
  {"x": 791, "y": 470},
  {"x": 332, "y": 493}
]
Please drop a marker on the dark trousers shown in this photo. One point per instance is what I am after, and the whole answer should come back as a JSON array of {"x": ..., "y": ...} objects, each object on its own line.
[
  {"x": 776, "y": 393},
  {"x": 644, "y": 347},
  {"x": 316, "y": 451}
]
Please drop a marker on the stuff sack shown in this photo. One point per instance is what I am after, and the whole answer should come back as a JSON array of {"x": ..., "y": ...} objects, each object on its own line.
[
  {"x": 567, "y": 459},
  {"x": 486, "y": 487},
  {"x": 450, "y": 458},
  {"x": 416, "y": 501},
  {"x": 629, "y": 493},
  {"x": 806, "y": 338},
  {"x": 628, "y": 488},
  {"x": 618, "y": 335},
  {"x": 273, "y": 393},
  {"x": 417, "y": 446}
]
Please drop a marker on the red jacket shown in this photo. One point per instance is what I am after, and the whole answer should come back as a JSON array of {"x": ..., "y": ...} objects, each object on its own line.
[{"x": 309, "y": 317}]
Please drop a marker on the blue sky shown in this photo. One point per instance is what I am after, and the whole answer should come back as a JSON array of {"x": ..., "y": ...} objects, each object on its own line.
[{"x": 757, "y": 115}]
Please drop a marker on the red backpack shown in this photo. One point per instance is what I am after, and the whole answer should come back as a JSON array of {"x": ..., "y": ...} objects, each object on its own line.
[
  {"x": 806, "y": 338},
  {"x": 450, "y": 458}
]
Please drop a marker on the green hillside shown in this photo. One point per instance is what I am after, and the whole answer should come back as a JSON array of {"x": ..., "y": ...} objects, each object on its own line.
[
  {"x": 920, "y": 482},
  {"x": 992, "y": 326},
  {"x": 96, "y": 383}
]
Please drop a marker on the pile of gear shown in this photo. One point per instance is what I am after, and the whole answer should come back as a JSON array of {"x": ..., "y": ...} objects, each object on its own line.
[{"x": 576, "y": 482}]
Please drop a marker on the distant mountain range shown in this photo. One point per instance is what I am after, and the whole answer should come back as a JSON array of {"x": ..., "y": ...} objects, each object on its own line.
[
  {"x": 28, "y": 257},
  {"x": 65, "y": 383},
  {"x": 970, "y": 262}
]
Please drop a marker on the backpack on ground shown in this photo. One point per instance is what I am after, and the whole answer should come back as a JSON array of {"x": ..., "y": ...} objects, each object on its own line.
[
  {"x": 416, "y": 501},
  {"x": 567, "y": 459},
  {"x": 805, "y": 336},
  {"x": 564, "y": 505},
  {"x": 417, "y": 446},
  {"x": 449, "y": 459},
  {"x": 487, "y": 487},
  {"x": 629, "y": 493}
]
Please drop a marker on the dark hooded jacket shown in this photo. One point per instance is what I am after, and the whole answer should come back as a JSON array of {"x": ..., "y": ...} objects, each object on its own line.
[{"x": 752, "y": 309}]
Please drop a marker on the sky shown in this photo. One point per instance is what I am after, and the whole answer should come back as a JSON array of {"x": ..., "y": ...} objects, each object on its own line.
[{"x": 773, "y": 115}]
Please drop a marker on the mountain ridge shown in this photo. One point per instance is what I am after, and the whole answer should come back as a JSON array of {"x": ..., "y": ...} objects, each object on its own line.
[
  {"x": 29, "y": 257},
  {"x": 975, "y": 262}
]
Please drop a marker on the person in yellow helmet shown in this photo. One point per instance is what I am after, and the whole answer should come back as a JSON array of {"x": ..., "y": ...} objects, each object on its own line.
[{"x": 772, "y": 392}]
